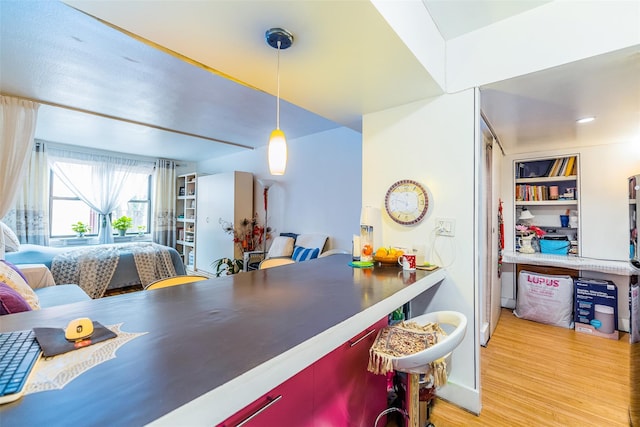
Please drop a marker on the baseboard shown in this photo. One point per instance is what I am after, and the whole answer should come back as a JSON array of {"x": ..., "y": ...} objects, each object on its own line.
[
  {"x": 462, "y": 396},
  {"x": 484, "y": 334},
  {"x": 508, "y": 302}
]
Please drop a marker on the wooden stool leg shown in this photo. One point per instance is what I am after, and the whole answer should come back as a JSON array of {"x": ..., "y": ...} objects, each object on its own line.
[{"x": 413, "y": 400}]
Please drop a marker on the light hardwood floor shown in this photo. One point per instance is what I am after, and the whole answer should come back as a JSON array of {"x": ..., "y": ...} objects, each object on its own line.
[{"x": 540, "y": 375}]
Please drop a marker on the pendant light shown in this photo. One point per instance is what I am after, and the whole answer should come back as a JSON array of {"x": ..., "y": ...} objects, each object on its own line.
[{"x": 278, "y": 39}]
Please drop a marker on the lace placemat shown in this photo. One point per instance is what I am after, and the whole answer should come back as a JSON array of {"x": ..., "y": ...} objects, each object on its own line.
[{"x": 54, "y": 373}]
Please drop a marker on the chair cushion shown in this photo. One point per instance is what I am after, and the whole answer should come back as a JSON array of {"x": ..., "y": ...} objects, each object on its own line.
[
  {"x": 11, "y": 301},
  {"x": 10, "y": 275},
  {"x": 282, "y": 246},
  {"x": 11, "y": 241},
  {"x": 304, "y": 254}
]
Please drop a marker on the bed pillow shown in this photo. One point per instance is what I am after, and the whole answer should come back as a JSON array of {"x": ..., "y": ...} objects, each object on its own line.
[
  {"x": 304, "y": 254},
  {"x": 11, "y": 301},
  {"x": 10, "y": 275},
  {"x": 11, "y": 242}
]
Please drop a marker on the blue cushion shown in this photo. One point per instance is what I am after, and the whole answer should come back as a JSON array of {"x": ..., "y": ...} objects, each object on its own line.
[
  {"x": 51, "y": 296},
  {"x": 304, "y": 254}
]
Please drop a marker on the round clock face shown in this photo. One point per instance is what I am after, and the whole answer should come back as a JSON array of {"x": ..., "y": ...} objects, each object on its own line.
[{"x": 406, "y": 202}]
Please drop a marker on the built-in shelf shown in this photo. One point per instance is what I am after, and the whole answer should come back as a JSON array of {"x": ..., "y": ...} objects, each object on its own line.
[
  {"x": 548, "y": 187},
  {"x": 622, "y": 268},
  {"x": 186, "y": 221}
]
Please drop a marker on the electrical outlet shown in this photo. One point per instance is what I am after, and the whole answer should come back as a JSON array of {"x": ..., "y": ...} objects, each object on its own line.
[{"x": 446, "y": 227}]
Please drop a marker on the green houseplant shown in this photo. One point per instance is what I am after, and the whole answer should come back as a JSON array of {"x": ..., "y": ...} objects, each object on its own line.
[
  {"x": 227, "y": 266},
  {"x": 122, "y": 224},
  {"x": 80, "y": 228}
]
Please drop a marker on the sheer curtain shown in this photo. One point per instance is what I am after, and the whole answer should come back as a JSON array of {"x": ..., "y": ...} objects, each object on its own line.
[
  {"x": 29, "y": 216},
  {"x": 164, "y": 203},
  {"x": 102, "y": 183},
  {"x": 17, "y": 128}
]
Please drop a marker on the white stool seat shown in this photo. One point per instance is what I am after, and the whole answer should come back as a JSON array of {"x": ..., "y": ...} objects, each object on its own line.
[{"x": 418, "y": 363}]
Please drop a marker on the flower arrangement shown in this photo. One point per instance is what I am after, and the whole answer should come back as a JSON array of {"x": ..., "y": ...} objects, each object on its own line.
[
  {"x": 529, "y": 230},
  {"x": 248, "y": 234}
]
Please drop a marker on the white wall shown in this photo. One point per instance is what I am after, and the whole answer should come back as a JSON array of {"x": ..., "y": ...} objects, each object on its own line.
[
  {"x": 520, "y": 45},
  {"x": 432, "y": 141},
  {"x": 319, "y": 191}
]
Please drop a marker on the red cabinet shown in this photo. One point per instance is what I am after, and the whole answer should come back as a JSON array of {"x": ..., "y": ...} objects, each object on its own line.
[{"x": 336, "y": 391}]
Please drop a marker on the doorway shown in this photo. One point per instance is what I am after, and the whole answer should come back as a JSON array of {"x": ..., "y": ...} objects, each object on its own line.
[{"x": 490, "y": 281}]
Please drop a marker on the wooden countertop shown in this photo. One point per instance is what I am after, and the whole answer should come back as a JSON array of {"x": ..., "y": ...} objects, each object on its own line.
[{"x": 213, "y": 346}]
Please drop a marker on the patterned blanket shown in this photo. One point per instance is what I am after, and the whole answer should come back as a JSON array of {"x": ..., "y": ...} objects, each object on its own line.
[{"x": 92, "y": 268}]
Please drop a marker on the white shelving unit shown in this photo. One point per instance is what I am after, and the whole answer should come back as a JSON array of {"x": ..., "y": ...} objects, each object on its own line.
[
  {"x": 549, "y": 187},
  {"x": 186, "y": 208}
]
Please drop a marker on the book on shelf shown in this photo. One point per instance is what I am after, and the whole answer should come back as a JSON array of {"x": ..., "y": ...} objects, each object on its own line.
[
  {"x": 570, "y": 165},
  {"x": 555, "y": 168}
]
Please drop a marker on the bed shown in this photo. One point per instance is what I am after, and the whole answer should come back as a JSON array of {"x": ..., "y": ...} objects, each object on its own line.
[{"x": 125, "y": 273}]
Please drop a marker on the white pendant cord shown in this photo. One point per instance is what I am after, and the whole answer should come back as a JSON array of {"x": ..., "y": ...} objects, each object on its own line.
[{"x": 278, "y": 89}]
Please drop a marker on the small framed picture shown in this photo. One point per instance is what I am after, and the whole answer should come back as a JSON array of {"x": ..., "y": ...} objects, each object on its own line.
[{"x": 181, "y": 191}]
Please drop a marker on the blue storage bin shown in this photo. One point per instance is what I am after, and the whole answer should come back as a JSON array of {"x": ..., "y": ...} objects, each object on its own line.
[{"x": 556, "y": 247}]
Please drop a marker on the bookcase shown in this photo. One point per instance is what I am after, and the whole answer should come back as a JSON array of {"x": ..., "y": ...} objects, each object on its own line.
[
  {"x": 549, "y": 187},
  {"x": 186, "y": 189}
]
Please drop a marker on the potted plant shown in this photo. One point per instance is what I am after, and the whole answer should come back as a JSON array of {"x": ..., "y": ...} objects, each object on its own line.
[
  {"x": 80, "y": 228},
  {"x": 227, "y": 266},
  {"x": 122, "y": 224}
]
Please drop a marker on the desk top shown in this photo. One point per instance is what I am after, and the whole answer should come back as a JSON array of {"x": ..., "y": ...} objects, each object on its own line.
[
  {"x": 213, "y": 346},
  {"x": 622, "y": 268}
]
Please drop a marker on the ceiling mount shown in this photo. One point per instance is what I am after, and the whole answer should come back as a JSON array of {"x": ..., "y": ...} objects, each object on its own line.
[{"x": 275, "y": 35}]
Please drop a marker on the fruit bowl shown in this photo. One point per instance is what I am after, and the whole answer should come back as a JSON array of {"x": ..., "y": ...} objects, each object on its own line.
[{"x": 387, "y": 255}]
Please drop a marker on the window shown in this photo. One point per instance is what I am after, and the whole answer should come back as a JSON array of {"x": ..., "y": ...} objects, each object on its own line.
[{"x": 66, "y": 208}]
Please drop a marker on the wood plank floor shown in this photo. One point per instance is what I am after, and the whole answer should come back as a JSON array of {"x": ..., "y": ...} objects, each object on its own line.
[{"x": 541, "y": 375}]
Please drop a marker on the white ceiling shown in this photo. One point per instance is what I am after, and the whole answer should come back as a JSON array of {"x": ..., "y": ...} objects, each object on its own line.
[{"x": 345, "y": 62}]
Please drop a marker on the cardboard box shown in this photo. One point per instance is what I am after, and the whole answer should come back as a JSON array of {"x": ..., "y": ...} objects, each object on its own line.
[{"x": 596, "y": 307}]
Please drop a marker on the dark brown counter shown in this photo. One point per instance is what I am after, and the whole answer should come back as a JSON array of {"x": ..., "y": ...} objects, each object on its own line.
[{"x": 213, "y": 346}]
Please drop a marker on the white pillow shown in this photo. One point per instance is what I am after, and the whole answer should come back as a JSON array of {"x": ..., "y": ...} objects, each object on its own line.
[
  {"x": 11, "y": 242},
  {"x": 281, "y": 246},
  {"x": 16, "y": 281},
  {"x": 312, "y": 240}
]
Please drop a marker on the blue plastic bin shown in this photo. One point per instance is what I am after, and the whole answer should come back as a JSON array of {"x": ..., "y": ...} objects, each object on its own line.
[{"x": 555, "y": 247}]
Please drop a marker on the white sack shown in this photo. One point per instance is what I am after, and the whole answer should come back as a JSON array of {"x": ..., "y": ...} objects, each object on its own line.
[{"x": 545, "y": 299}]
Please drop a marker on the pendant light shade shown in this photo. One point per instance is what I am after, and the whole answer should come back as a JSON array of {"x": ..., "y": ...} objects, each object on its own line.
[
  {"x": 278, "y": 39},
  {"x": 277, "y": 152}
]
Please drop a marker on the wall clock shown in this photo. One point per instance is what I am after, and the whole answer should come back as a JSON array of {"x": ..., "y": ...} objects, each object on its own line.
[{"x": 406, "y": 202}]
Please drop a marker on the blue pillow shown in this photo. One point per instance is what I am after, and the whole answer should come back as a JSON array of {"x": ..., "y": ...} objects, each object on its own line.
[{"x": 304, "y": 254}]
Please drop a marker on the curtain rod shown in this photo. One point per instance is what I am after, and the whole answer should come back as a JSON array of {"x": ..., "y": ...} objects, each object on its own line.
[
  {"x": 134, "y": 122},
  {"x": 495, "y": 136}
]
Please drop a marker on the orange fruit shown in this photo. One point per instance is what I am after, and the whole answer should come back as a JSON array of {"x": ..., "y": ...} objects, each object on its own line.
[{"x": 367, "y": 250}]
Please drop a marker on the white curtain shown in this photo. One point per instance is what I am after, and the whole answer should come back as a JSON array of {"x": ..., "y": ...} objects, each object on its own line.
[
  {"x": 102, "y": 183},
  {"x": 164, "y": 203},
  {"x": 17, "y": 129},
  {"x": 29, "y": 217}
]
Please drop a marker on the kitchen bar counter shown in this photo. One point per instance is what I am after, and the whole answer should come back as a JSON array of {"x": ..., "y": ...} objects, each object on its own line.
[{"x": 213, "y": 346}]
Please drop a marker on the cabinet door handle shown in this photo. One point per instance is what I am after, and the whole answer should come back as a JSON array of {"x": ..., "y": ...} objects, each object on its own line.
[
  {"x": 270, "y": 401},
  {"x": 353, "y": 343}
]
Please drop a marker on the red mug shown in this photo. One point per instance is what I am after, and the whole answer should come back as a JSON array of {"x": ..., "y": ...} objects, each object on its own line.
[{"x": 408, "y": 262}]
